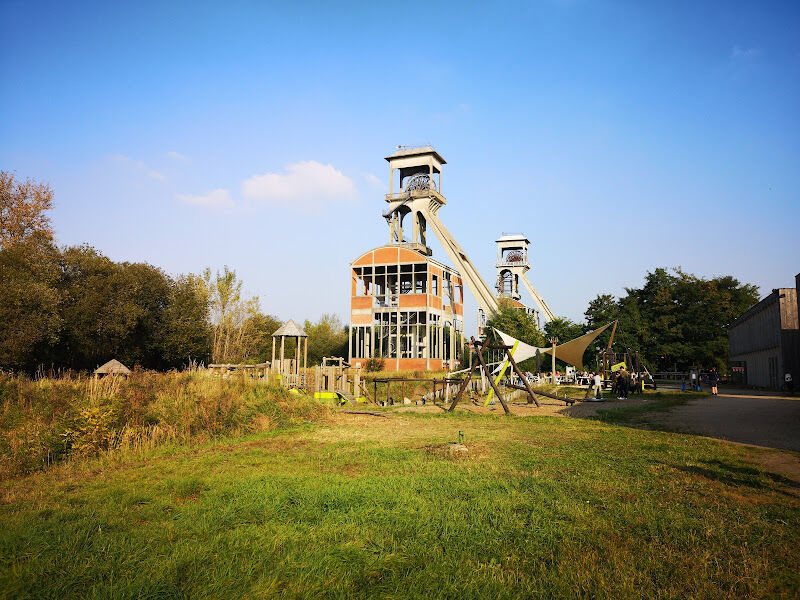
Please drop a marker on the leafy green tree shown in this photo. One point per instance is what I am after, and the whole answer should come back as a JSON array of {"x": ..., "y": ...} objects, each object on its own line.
[
  {"x": 261, "y": 327},
  {"x": 110, "y": 310},
  {"x": 675, "y": 319},
  {"x": 516, "y": 322},
  {"x": 326, "y": 337},
  {"x": 184, "y": 334},
  {"x": 29, "y": 302},
  {"x": 562, "y": 328}
]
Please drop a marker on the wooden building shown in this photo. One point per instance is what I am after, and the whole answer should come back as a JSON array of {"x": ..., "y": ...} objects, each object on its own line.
[{"x": 765, "y": 340}]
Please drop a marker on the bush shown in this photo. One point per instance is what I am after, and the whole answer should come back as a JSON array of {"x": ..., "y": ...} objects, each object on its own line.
[
  {"x": 49, "y": 420},
  {"x": 374, "y": 364}
]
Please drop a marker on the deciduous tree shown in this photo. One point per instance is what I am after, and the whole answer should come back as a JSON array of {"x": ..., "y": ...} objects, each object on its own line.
[
  {"x": 30, "y": 320},
  {"x": 24, "y": 207}
]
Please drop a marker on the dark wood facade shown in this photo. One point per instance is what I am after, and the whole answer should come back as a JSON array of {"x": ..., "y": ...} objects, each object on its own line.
[{"x": 765, "y": 340}]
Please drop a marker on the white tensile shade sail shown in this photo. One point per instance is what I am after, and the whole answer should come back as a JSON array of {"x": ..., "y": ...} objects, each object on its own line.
[{"x": 570, "y": 352}]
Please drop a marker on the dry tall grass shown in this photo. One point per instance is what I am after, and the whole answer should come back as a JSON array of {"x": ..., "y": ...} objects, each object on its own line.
[{"x": 48, "y": 420}]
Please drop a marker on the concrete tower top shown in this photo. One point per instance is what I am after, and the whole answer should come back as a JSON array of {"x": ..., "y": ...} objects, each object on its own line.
[
  {"x": 512, "y": 237},
  {"x": 422, "y": 155}
]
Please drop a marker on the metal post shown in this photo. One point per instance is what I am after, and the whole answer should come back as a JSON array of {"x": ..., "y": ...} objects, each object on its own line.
[
  {"x": 280, "y": 370},
  {"x": 554, "y": 341}
]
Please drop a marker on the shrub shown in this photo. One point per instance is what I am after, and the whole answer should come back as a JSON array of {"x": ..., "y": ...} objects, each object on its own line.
[
  {"x": 46, "y": 421},
  {"x": 374, "y": 364}
]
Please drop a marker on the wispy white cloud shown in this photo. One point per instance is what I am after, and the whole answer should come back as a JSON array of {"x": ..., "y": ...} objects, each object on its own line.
[
  {"x": 374, "y": 180},
  {"x": 178, "y": 156},
  {"x": 302, "y": 185},
  {"x": 219, "y": 199},
  {"x": 744, "y": 53},
  {"x": 137, "y": 166}
]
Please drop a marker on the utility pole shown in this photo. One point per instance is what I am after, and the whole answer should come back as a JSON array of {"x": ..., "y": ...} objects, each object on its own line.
[{"x": 554, "y": 341}]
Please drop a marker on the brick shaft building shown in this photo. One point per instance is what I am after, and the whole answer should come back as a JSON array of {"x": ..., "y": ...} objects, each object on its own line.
[{"x": 405, "y": 308}]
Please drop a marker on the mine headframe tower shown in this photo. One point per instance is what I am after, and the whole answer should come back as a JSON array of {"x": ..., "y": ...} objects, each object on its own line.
[
  {"x": 512, "y": 267},
  {"x": 419, "y": 196}
]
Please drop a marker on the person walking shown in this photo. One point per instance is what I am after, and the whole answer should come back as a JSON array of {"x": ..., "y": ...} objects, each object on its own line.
[
  {"x": 634, "y": 383},
  {"x": 597, "y": 382},
  {"x": 713, "y": 380}
]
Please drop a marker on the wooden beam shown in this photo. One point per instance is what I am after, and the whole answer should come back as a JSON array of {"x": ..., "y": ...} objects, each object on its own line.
[
  {"x": 524, "y": 379},
  {"x": 471, "y": 371},
  {"x": 491, "y": 381}
]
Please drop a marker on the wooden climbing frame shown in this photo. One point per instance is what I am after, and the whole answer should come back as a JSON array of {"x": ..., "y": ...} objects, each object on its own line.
[{"x": 479, "y": 349}]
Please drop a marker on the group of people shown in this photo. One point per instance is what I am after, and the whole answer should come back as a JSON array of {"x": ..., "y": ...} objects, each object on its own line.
[
  {"x": 712, "y": 378},
  {"x": 623, "y": 383}
]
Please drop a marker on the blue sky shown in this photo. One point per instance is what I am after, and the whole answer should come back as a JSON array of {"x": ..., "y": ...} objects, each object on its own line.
[{"x": 618, "y": 137}]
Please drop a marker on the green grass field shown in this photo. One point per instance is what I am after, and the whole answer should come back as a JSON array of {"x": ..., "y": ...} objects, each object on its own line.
[{"x": 362, "y": 506}]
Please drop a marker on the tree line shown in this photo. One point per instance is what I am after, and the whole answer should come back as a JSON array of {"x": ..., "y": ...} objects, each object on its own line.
[
  {"x": 71, "y": 307},
  {"x": 676, "y": 320}
]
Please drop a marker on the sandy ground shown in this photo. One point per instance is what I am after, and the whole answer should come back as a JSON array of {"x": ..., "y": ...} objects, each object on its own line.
[
  {"x": 758, "y": 419},
  {"x": 547, "y": 407}
]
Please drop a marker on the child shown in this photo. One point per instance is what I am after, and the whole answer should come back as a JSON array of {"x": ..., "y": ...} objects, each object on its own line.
[{"x": 713, "y": 379}]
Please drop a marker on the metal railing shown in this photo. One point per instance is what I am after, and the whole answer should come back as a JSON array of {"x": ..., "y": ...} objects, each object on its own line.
[
  {"x": 414, "y": 194},
  {"x": 389, "y": 301},
  {"x": 512, "y": 263}
]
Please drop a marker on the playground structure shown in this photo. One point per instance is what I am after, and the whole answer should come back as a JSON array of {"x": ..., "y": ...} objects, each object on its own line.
[
  {"x": 332, "y": 381},
  {"x": 260, "y": 370},
  {"x": 288, "y": 370},
  {"x": 508, "y": 349}
]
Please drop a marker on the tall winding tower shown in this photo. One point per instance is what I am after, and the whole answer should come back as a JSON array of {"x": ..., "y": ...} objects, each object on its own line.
[{"x": 407, "y": 308}]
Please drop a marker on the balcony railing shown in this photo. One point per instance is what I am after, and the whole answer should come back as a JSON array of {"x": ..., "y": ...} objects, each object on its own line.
[
  {"x": 511, "y": 263},
  {"x": 389, "y": 301},
  {"x": 415, "y": 194}
]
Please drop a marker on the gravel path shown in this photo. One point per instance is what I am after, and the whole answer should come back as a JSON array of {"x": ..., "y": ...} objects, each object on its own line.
[{"x": 770, "y": 421}]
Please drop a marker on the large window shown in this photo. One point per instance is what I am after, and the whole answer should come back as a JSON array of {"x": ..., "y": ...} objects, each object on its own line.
[
  {"x": 360, "y": 342},
  {"x": 408, "y": 337},
  {"x": 420, "y": 278},
  {"x": 385, "y": 282}
]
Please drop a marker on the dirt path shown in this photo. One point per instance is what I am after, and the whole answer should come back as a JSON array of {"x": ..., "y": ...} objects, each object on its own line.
[{"x": 770, "y": 421}]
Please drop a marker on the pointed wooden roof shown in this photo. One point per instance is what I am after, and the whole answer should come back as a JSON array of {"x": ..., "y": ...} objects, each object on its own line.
[
  {"x": 113, "y": 366},
  {"x": 290, "y": 329}
]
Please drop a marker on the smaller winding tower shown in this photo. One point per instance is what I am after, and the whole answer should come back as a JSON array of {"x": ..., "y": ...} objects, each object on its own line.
[
  {"x": 512, "y": 264},
  {"x": 512, "y": 267}
]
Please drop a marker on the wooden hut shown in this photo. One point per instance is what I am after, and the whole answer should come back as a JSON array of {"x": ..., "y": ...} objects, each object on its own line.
[
  {"x": 290, "y": 329},
  {"x": 112, "y": 367}
]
